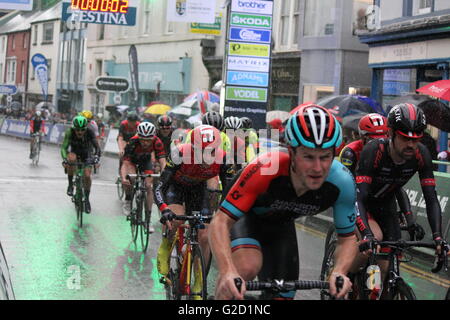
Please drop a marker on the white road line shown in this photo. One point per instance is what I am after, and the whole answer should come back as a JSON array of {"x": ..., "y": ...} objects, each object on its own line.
[{"x": 62, "y": 180}]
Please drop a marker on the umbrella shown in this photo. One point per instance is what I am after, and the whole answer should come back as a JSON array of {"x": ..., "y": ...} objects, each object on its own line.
[
  {"x": 410, "y": 98},
  {"x": 203, "y": 95},
  {"x": 45, "y": 105},
  {"x": 195, "y": 119},
  {"x": 439, "y": 89},
  {"x": 154, "y": 102},
  {"x": 158, "y": 109},
  {"x": 345, "y": 105},
  {"x": 437, "y": 114},
  {"x": 186, "y": 109},
  {"x": 277, "y": 114},
  {"x": 352, "y": 121},
  {"x": 299, "y": 106}
]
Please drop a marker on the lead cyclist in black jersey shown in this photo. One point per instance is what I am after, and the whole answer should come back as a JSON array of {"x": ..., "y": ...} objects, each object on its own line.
[
  {"x": 259, "y": 212},
  {"x": 384, "y": 167}
]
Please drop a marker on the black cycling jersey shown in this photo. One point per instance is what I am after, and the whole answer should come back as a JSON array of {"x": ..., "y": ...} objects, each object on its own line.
[
  {"x": 82, "y": 147},
  {"x": 379, "y": 179}
]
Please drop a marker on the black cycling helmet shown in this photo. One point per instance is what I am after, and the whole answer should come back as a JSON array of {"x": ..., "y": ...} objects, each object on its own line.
[
  {"x": 214, "y": 119},
  {"x": 132, "y": 116},
  {"x": 408, "y": 120},
  {"x": 164, "y": 121},
  {"x": 246, "y": 122}
]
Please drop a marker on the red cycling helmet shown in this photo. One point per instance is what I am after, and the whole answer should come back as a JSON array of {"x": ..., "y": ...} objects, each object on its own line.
[
  {"x": 205, "y": 136},
  {"x": 373, "y": 125}
]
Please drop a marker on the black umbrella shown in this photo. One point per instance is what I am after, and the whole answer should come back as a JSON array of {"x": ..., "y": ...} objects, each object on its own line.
[
  {"x": 436, "y": 113},
  {"x": 410, "y": 98},
  {"x": 345, "y": 105},
  {"x": 352, "y": 121}
]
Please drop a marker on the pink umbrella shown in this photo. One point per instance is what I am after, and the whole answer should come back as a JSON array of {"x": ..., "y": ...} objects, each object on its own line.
[{"x": 439, "y": 89}]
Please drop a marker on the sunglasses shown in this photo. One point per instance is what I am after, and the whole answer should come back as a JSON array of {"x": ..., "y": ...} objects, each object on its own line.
[{"x": 80, "y": 130}]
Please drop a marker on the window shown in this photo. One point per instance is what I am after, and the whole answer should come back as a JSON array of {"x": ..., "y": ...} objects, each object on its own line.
[
  {"x": 22, "y": 72},
  {"x": 1, "y": 72},
  {"x": 11, "y": 71},
  {"x": 146, "y": 18},
  {"x": 49, "y": 68},
  {"x": 289, "y": 22},
  {"x": 13, "y": 39},
  {"x": 422, "y": 7},
  {"x": 47, "y": 35},
  {"x": 3, "y": 44},
  {"x": 319, "y": 17},
  {"x": 169, "y": 24},
  {"x": 25, "y": 40},
  {"x": 101, "y": 32},
  {"x": 35, "y": 37},
  {"x": 99, "y": 67},
  {"x": 359, "y": 14}
]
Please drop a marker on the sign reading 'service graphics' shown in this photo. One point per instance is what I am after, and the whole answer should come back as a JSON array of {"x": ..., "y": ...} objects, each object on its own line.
[
  {"x": 252, "y": 6},
  {"x": 248, "y": 64},
  {"x": 249, "y": 20},
  {"x": 249, "y": 49},
  {"x": 246, "y": 94}
]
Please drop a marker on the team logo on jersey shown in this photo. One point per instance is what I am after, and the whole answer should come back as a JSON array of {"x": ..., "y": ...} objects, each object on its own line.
[
  {"x": 352, "y": 217},
  {"x": 236, "y": 195},
  {"x": 347, "y": 162}
]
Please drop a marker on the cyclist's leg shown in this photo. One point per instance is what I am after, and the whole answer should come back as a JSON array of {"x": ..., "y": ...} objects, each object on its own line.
[
  {"x": 71, "y": 158},
  {"x": 32, "y": 141},
  {"x": 127, "y": 168},
  {"x": 281, "y": 257},
  {"x": 87, "y": 179},
  {"x": 147, "y": 168},
  {"x": 246, "y": 248}
]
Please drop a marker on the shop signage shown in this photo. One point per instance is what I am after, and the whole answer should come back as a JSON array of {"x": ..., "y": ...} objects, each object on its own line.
[
  {"x": 249, "y": 50},
  {"x": 252, "y": 6},
  {"x": 253, "y": 21},
  {"x": 246, "y": 94},
  {"x": 249, "y": 64},
  {"x": 250, "y": 35},
  {"x": 256, "y": 79}
]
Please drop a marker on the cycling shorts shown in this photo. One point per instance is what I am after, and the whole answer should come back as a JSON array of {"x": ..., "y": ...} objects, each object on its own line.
[{"x": 191, "y": 197}]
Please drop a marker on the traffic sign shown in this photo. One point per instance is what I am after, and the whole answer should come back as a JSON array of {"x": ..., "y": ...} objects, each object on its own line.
[
  {"x": 9, "y": 99},
  {"x": 8, "y": 89},
  {"x": 114, "y": 84},
  {"x": 117, "y": 99}
]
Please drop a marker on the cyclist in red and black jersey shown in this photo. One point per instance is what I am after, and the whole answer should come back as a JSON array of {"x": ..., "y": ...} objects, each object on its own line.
[
  {"x": 127, "y": 130},
  {"x": 164, "y": 131},
  {"x": 384, "y": 167},
  {"x": 183, "y": 184},
  {"x": 374, "y": 126},
  {"x": 138, "y": 156},
  {"x": 37, "y": 126},
  {"x": 253, "y": 233}
]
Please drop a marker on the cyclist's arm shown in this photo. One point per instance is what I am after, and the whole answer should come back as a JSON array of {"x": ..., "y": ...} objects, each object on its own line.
[
  {"x": 428, "y": 184},
  {"x": 160, "y": 152},
  {"x": 94, "y": 141},
  {"x": 31, "y": 126},
  {"x": 160, "y": 189},
  {"x": 348, "y": 159},
  {"x": 364, "y": 175},
  {"x": 120, "y": 141},
  {"x": 43, "y": 126},
  {"x": 65, "y": 144}
]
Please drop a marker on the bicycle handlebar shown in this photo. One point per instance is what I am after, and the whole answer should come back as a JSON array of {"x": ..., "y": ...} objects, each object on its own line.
[
  {"x": 194, "y": 218},
  {"x": 285, "y": 286},
  {"x": 144, "y": 175}
]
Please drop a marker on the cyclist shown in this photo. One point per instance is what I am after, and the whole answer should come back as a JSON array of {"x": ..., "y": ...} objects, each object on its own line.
[
  {"x": 138, "y": 153},
  {"x": 183, "y": 185},
  {"x": 37, "y": 126},
  {"x": 127, "y": 130},
  {"x": 374, "y": 126},
  {"x": 80, "y": 144},
  {"x": 164, "y": 132},
  {"x": 240, "y": 153},
  {"x": 215, "y": 119},
  {"x": 252, "y": 138},
  {"x": 386, "y": 165},
  {"x": 101, "y": 126},
  {"x": 259, "y": 210}
]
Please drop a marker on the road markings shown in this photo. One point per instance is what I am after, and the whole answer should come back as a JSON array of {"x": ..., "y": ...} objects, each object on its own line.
[
  {"x": 105, "y": 183},
  {"x": 408, "y": 268}
]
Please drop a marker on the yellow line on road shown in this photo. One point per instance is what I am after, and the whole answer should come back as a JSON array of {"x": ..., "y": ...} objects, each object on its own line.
[{"x": 413, "y": 270}]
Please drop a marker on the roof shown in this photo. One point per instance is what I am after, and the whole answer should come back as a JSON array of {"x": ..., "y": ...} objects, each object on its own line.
[{"x": 52, "y": 13}]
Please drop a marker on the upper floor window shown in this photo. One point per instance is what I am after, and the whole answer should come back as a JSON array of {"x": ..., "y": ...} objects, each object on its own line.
[
  {"x": 11, "y": 71},
  {"x": 319, "y": 17},
  {"x": 47, "y": 35},
  {"x": 35, "y": 34},
  {"x": 146, "y": 17},
  {"x": 422, "y": 7},
  {"x": 289, "y": 22}
]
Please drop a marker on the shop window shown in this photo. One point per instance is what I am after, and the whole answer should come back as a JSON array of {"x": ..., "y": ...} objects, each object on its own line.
[
  {"x": 320, "y": 16},
  {"x": 397, "y": 82},
  {"x": 316, "y": 92}
]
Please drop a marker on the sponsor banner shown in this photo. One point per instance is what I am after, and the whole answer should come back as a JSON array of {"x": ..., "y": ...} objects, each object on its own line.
[
  {"x": 191, "y": 11},
  {"x": 251, "y": 21},
  {"x": 8, "y": 89},
  {"x": 254, "y": 110},
  {"x": 256, "y": 79},
  {"x": 250, "y": 35},
  {"x": 249, "y": 49},
  {"x": 246, "y": 94},
  {"x": 24, "y": 5},
  {"x": 40, "y": 68},
  {"x": 207, "y": 28},
  {"x": 19, "y": 128},
  {"x": 249, "y": 64},
  {"x": 56, "y": 135},
  {"x": 134, "y": 73},
  {"x": 111, "y": 143},
  {"x": 99, "y": 17},
  {"x": 252, "y": 6}
]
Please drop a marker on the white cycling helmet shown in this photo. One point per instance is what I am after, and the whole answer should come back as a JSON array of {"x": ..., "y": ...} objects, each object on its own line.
[
  {"x": 233, "y": 123},
  {"x": 38, "y": 113},
  {"x": 100, "y": 115},
  {"x": 146, "y": 130}
]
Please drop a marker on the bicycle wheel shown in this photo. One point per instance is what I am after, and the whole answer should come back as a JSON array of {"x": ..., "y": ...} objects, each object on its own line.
[
  {"x": 447, "y": 296},
  {"x": 145, "y": 223},
  {"x": 173, "y": 286},
  {"x": 197, "y": 286},
  {"x": 402, "y": 291},
  {"x": 331, "y": 235},
  {"x": 120, "y": 191},
  {"x": 327, "y": 267},
  {"x": 79, "y": 203},
  {"x": 134, "y": 215}
]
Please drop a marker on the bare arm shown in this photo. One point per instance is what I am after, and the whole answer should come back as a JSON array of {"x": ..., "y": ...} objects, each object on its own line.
[{"x": 346, "y": 252}]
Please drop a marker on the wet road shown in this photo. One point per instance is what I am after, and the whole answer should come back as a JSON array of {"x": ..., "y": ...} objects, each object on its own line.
[{"x": 51, "y": 258}]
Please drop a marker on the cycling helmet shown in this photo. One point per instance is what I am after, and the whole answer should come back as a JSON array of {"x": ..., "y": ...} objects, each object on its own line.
[
  {"x": 79, "y": 122},
  {"x": 214, "y": 119},
  {"x": 233, "y": 123},
  {"x": 373, "y": 125},
  {"x": 132, "y": 116},
  {"x": 313, "y": 126},
  {"x": 38, "y": 113},
  {"x": 87, "y": 114},
  {"x": 100, "y": 116},
  {"x": 408, "y": 120},
  {"x": 146, "y": 130},
  {"x": 205, "y": 136},
  {"x": 246, "y": 122},
  {"x": 164, "y": 121}
]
